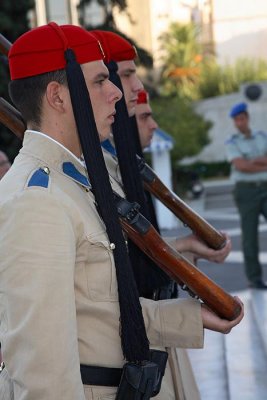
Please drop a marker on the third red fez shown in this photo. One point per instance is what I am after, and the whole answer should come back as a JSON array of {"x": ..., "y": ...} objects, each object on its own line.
[{"x": 143, "y": 97}]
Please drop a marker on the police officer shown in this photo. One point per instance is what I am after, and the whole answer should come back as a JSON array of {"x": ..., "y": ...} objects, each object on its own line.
[{"x": 247, "y": 152}]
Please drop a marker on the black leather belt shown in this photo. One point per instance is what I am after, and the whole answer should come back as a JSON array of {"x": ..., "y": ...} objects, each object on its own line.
[
  {"x": 251, "y": 183},
  {"x": 100, "y": 376}
]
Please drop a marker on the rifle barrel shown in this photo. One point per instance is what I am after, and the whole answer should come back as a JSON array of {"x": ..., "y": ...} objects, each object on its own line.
[
  {"x": 11, "y": 118},
  {"x": 4, "y": 45},
  {"x": 186, "y": 214},
  {"x": 181, "y": 270}
]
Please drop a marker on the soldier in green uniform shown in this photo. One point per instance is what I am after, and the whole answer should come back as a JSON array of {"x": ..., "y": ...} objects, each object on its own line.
[{"x": 247, "y": 152}]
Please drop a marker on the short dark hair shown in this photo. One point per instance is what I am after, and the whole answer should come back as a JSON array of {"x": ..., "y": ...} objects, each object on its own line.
[{"x": 27, "y": 93}]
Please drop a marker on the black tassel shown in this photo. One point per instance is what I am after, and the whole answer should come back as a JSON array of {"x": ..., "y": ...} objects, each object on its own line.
[
  {"x": 148, "y": 275},
  {"x": 139, "y": 152},
  {"x": 136, "y": 137},
  {"x": 135, "y": 345}
]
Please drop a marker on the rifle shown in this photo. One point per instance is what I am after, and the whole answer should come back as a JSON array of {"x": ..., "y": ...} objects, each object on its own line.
[
  {"x": 144, "y": 235},
  {"x": 186, "y": 214},
  {"x": 4, "y": 45},
  {"x": 155, "y": 186}
]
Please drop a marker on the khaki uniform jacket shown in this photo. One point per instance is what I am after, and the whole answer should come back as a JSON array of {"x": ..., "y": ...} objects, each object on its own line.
[
  {"x": 58, "y": 289},
  {"x": 182, "y": 385}
]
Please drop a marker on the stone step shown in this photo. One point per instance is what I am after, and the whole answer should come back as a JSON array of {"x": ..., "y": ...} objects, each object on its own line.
[
  {"x": 259, "y": 307},
  {"x": 218, "y": 195},
  {"x": 246, "y": 358},
  {"x": 218, "y": 200},
  {"x": 234, "y": 366},
  {"x": 209, "y": 367},
  {"x": 222, "y": 202}
]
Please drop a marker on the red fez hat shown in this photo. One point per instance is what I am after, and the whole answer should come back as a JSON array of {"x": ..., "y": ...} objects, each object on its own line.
[
  {"x": 41, "y": 49},
  {"x": 143, "y": 97},
  {"x": 115, "y": 47}
]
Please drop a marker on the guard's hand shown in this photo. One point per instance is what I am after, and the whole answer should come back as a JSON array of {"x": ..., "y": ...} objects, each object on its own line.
[
  {"x": 212, "y": 322},
  {"x": 199, "y": 249}
]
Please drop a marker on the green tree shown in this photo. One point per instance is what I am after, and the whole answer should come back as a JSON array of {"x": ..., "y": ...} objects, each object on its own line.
[
  {"x": 177, "y": 117},
  {"x": 14, "y": 21},
  {"x": 144, "y": 57},
  {"x": 216, "y": 80},
  {"x": 181, "y": 59},
  {"x": 191, "y": 73}
]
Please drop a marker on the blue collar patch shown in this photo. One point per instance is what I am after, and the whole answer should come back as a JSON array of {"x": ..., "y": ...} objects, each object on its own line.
[
  {"x": 39, "y": 178},
  {"x": 70, "y": 170},
  {"x": 108, "y": 146}
]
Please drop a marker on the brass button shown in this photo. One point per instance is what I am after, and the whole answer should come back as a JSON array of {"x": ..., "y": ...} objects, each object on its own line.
[{"x": 46, "y": 170}]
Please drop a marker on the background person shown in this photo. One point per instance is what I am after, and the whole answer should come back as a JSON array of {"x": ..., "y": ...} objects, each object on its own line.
[
  {"x": 247, "y": 152},
  {"x": 144, "y": 117}
]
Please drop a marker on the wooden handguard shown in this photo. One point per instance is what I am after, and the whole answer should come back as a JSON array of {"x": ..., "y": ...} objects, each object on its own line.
[
  {"x": 186, "y": 214},
  {"x": 144, "y": 235}
]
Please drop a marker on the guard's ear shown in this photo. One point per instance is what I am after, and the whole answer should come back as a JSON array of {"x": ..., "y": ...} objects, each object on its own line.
[{"x": 56, "y": 95}]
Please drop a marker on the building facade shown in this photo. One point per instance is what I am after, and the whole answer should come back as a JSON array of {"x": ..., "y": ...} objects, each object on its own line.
[
  {"x": 229, "y": 29},
  {"x": 60, "y": 11},
  {"x": 239, "y": 29}
]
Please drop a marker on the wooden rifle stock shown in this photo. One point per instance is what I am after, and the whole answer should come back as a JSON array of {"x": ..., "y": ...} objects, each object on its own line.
[
  {"x": 186, "y": 214},
  {"x": 142, "y": 233}
]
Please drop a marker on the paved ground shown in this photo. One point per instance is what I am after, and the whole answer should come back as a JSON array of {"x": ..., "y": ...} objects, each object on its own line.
[{"x": 234, "y": 366}]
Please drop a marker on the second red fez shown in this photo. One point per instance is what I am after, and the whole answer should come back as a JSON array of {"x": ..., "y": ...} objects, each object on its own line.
[
  {"x": 115, "y": 47},
  {"x": 41, "y": 49}
]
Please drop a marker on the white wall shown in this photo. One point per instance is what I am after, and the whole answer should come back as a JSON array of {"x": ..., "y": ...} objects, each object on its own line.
[
  {"x": 240, "y": 29},
  {"x": 161, "y": 164},
  {"x": 217, "y": 110},
  {"x": 150, "y": 19}
]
